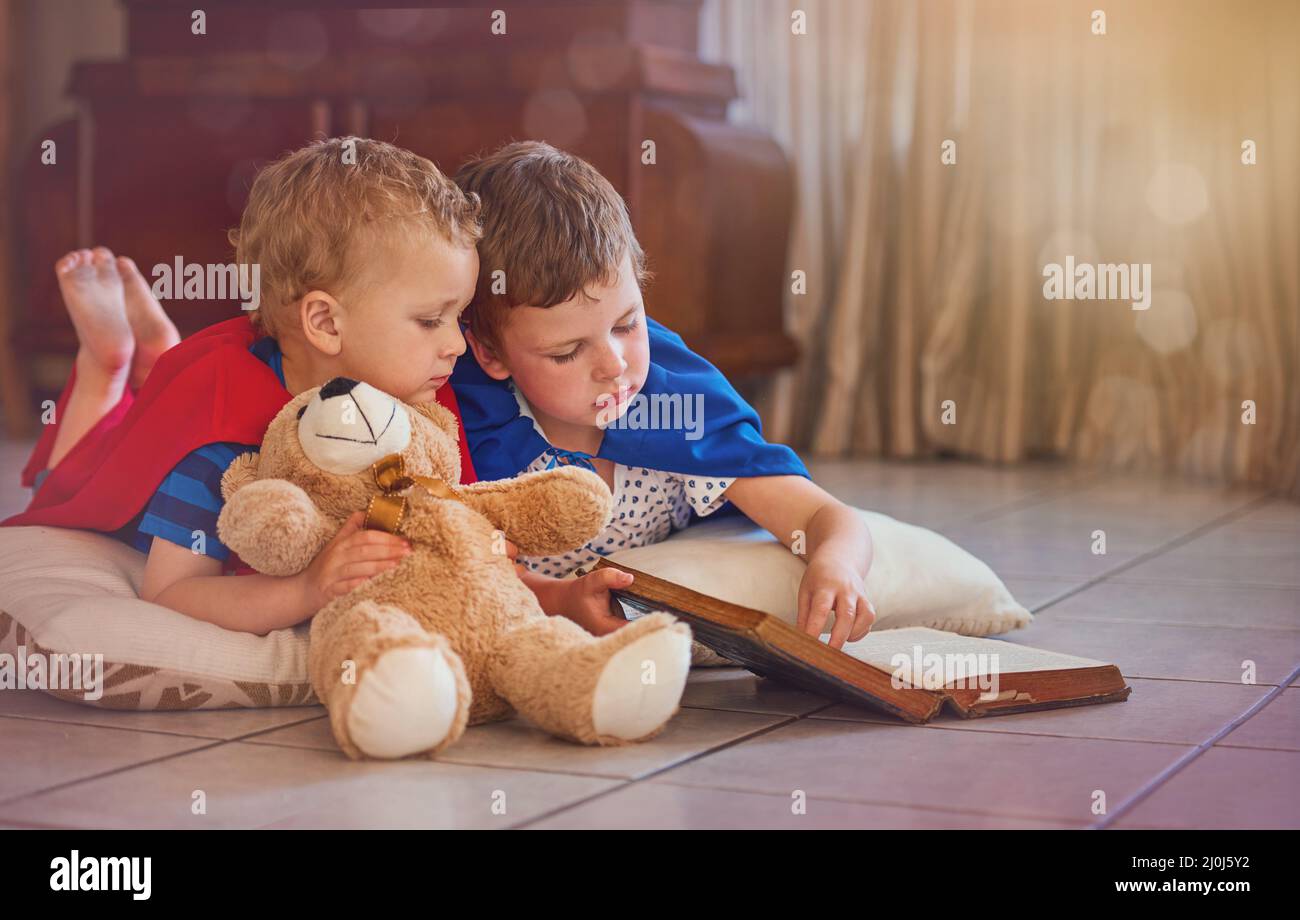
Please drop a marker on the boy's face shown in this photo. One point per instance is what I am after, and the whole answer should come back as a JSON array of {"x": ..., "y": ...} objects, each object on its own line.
[
  {"x": 577, "y": 363},
  {"x": 399, "y": 329}
]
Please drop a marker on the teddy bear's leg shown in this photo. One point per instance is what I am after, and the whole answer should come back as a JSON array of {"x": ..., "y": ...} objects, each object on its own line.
[
  {"x": 392, "y": 688},
  {"x": 615, "y": 689}
]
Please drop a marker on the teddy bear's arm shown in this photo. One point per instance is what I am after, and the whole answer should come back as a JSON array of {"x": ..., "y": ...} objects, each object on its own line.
[
  {"x": 546, "y": 512},
  {"x": 274, "y": 526}
]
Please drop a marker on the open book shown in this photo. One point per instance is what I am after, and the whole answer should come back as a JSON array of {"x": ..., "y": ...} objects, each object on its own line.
[{"x": 909, "y": 672}]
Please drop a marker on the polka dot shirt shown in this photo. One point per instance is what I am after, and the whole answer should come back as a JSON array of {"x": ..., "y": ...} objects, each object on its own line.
[{"x": 648, "y": 506}]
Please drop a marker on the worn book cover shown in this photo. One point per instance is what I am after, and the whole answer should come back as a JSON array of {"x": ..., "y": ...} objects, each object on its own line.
[{"x": 910, "y": 673}]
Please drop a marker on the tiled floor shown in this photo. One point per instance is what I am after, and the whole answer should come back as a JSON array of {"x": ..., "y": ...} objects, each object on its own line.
[{"x": 1197, "y": 587}]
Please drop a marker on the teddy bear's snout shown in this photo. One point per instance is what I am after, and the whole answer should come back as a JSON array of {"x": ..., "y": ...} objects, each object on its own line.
[{"x": 348, "y": 425}]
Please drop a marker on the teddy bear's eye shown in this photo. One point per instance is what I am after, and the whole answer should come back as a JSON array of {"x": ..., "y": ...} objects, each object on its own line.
[{"x": 302, "y": 409}]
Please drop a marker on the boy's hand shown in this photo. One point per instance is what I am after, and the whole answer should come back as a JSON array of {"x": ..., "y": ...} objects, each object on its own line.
[
  {"x": 350, "y": 559},
  {"x": 588, "y": 603},
  {"x": 832, "y": 587}
]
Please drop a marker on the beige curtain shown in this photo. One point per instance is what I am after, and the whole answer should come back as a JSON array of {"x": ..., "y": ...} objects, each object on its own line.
[{"x": 925, "y": 280}]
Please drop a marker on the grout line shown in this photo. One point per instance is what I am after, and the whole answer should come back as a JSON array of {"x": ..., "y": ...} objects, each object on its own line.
[
  {"x": 1181, "y": 763},
  {"x": 150, "y": 731},
  {"x": 276, "y": 728},
  {"x": 1205, "y": 680},
  {"x": 15, "y": 824},
  {"x": 664, "y": 769},
  {"x": 1060, "y": 596},
  {"x": 1256, "y": 747},
  {"x": 1245, "y": 627},
  {"x": 788, "y": 720},
  {"x": 1186, "y": 538},
  {"x": 57, "y": 787},
  {"x": 576, "y": 803},
  {"x": 1074, "y": 823},
  {"x": 947, "y": 810},
  {"x": 442, "y": 761},
  {"x": 1208, "y": 583},
  {"x": 696, "y": 707},
  {"x": 1042, "y": 496},
  {"x": 112, "y": 728},
  {"x": 1173, "y": 581},
  {"x": 957, "y": 727}
]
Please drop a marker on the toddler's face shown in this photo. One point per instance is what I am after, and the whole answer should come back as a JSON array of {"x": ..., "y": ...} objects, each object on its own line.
[
  {"x": 577, "y": 363},
  {"x": 400, "y": 329}
]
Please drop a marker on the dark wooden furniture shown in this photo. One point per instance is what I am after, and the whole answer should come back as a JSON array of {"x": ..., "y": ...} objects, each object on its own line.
[
  {"x": 159, "y": 162},
  {"x": 14, "y": 394}
]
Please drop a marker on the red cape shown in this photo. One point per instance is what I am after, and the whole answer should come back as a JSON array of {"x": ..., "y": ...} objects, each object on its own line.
[{"x": 208, "y": 388}]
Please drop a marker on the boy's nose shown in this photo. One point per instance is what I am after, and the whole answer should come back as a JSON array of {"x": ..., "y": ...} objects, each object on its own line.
[
  {"x": 457, "y": 345},
  {"x": 612, "y": 365}
]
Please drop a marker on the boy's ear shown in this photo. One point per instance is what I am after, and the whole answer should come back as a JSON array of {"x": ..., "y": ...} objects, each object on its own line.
[
  {"x": 487, "y": 358},
  {"x": 318, "y": 313}
]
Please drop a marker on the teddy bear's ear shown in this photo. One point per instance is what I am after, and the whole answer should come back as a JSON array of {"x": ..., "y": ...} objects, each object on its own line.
[
  {"x": 441, "y": 416},
  {"x": 242, "y": 471}
]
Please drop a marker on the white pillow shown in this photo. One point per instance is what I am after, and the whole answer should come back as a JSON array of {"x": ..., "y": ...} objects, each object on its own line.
[
  {"x": 75, "y": 592},
  {"x": 917, "y": 577}
]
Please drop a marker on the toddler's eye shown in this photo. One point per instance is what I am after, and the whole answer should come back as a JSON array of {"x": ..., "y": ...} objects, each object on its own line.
[
  {"x": 565, "y": 359},
  {"x": 627, "y": 327},
  {"x": 430, "y": 323}
]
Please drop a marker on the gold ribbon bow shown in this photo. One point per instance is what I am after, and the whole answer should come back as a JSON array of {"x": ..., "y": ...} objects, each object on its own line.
[{"x": 386, "y": 510}]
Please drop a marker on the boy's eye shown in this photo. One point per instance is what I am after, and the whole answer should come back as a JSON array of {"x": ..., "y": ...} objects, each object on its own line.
[
  {"x": 565, "y": 359},
  {"x": 430, "y": 323},
  {"x": 627, "y": 327}
]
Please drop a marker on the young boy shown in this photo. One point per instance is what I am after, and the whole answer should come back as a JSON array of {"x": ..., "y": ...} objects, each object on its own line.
[
  {"x": 365, "y": 264},
  {"x": 562, "y": 355}
]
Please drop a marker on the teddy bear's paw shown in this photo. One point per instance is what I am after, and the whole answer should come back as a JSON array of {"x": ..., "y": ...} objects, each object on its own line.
[
  {"x": 633, "y": 700},
  {"x": 405, "y": 704}
]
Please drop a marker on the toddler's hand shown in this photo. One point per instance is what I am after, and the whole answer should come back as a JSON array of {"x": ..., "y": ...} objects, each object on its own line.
[
  {"x": 350, "y": 559},
  {"x": 589, "y": 603},
  {"x": 832, "y": 587}
]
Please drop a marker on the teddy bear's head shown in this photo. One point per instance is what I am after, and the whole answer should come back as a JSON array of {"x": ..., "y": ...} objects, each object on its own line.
[{"x": 326, "y": 440}]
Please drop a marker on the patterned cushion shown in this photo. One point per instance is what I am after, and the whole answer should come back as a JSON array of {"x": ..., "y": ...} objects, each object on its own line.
[{"x": 75, "y": 593}]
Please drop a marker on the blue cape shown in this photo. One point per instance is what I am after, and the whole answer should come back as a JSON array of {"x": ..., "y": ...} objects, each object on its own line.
[{"x": 503, "y": 441}]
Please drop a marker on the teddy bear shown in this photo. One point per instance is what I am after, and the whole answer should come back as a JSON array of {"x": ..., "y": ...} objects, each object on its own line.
[{"x": 450, "y": 636}]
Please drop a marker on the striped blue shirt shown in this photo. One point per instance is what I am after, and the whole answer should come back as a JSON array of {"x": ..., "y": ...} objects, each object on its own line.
[{"x": 185, "y": 507}]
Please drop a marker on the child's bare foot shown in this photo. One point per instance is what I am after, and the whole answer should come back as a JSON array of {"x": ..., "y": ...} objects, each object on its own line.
[
  {"x": 154, "y": 332},
  {"x": 92, "y": 292}
]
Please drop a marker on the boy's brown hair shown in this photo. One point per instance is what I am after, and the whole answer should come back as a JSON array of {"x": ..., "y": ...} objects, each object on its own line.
[
  {"x": 552, "y": 223},
  {"x": 313, "y": 214}
]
